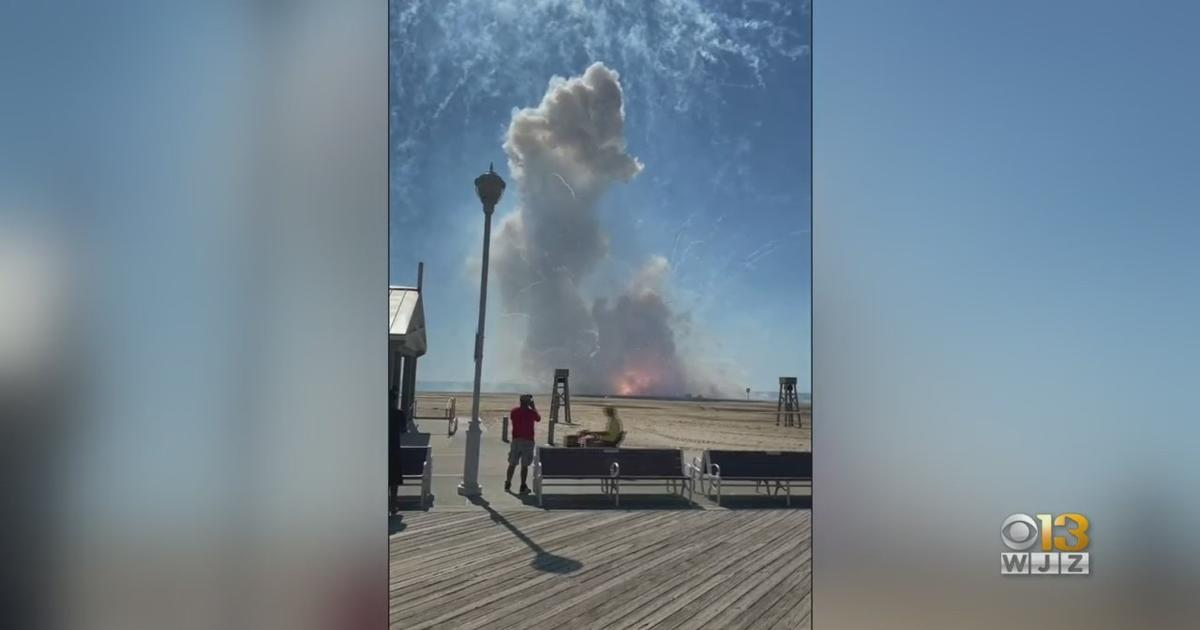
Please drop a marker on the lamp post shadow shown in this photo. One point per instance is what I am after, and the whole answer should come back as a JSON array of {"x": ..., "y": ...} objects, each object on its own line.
[{"x": 543, "y": 560}]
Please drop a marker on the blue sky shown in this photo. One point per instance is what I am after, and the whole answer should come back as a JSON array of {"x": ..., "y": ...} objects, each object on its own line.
[
  {"x": 716, "y": 102},
  {"x": 1007, "y": 281},
  {"x": 1009, "y": 205}
]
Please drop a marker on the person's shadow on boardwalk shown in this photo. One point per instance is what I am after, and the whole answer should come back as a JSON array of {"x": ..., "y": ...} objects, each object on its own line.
[{"x": 544, "y": 560}]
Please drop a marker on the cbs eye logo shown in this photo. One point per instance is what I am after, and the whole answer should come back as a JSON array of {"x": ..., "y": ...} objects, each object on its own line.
[{"x": 1038, "y": 550}]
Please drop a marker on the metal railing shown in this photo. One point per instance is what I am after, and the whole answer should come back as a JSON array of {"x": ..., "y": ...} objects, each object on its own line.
[
  {"x": 696, "y": 473},
  {"x": 615, "y": 471},
  {"x": 714, "y": 476},
  {"x": 427, "y": 477}
]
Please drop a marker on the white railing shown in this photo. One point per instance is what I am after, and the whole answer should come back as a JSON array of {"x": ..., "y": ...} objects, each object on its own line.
[
  {"x": 696, "y": 473},
  {"x": 714, "y": 476},
  {"x": 615, "y": 472}
]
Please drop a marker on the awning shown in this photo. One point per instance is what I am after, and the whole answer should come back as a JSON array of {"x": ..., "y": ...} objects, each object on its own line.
[{"x": 406, "y": 321}]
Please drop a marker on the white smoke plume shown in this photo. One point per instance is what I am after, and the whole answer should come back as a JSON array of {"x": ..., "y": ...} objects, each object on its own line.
[{"x": 564, "y": 155}]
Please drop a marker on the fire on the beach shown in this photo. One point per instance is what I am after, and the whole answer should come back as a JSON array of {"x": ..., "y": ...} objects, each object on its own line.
[{"x": 636, "y": 380}]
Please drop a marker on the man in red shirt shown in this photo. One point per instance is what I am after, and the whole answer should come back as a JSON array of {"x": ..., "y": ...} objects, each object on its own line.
[{"x": 521, "y": 447}]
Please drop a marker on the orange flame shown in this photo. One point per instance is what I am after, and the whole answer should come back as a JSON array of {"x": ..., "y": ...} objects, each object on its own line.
[{"x": 636, "y": 380}]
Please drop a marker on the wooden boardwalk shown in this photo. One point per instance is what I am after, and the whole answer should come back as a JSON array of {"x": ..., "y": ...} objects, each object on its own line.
[{"x": 531, "y": 569}]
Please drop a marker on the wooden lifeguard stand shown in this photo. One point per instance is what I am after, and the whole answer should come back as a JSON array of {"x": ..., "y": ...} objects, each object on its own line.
[
  {"x": 560, "y": 397},
  {"x": 788, "y": 411}
]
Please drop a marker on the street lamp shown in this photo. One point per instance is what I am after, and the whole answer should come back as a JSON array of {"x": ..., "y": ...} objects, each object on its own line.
[{"x": 489, "y": 187}]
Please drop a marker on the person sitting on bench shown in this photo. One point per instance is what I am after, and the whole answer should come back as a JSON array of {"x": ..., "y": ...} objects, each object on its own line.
[{"x": 607, "y": 437}]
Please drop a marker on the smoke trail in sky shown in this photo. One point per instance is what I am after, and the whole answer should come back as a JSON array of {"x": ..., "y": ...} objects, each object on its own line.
[{"x": 467, "y": 56}]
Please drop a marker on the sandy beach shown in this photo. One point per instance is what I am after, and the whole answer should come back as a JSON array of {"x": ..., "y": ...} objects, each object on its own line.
[{"x": 687, "y": 424}]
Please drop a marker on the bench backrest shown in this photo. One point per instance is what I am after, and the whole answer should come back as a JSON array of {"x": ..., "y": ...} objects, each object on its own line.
[
  {"x": 761, "y": 464},
  {"x": 412, "y": 460},
  {"x": 650, "y": 462},
  {"x": 597, "y": 462},
  {"x": 574, "y": 462}
]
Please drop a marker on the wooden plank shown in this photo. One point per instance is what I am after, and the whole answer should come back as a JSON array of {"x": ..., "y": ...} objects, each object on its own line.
[
  {"x": 482, "y": 533},
  {"x": 483, "y": 551},
  {"x": 709, "y": 551},
  {"x": 650, "y": 551},
  {"x": 514, "y": 587},
  {"x": 416, "y": 521},
  {"x": 479, "y": 593},
  {"x": 715, "y": 555},
  {"x": 709, "y": 556},
  {"x": 743, "y": 605},
  {"x": 471, "y": 547},
  {"x": 586, "y": 595},
  {"x": 695, "y": 592},
  {"x": 729, "y": 590},
  {"x": 484, "y": 559},
  {"x": 798, "y": 616},
  {"x": 463, "y": 523},
  {"x": 552, "y": 602},
  {"x": 676, "y": 609},
  {"x": 776, "y": 602},
  {"x": 661, "y": 568},
  {"x": 501, "y": 559}
]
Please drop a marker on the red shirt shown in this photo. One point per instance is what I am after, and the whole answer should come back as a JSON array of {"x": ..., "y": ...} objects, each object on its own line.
[{"x": 522, "y": 422}]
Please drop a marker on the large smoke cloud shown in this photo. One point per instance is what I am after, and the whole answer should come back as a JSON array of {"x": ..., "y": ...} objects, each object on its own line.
[{"x": 564, "y": 154}]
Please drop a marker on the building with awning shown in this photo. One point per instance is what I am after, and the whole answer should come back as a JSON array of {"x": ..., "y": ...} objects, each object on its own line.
[{"x": 406, "y": 341}]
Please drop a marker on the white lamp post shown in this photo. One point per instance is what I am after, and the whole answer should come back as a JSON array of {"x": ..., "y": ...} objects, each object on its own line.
[{"x": 489, "y": 187}]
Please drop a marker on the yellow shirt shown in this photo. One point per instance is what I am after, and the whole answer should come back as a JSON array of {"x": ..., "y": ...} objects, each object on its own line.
[{"x": 613, "y": 431}]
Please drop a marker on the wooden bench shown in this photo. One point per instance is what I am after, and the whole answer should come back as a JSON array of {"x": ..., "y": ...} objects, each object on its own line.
[
  {"x": 563, "y": 466},
  {"x": 416, "y": 462},
  {"x": 783, "y": 468}
]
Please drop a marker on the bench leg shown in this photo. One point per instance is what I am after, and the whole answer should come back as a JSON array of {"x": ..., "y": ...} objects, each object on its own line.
[
  {"x": 537, "y": 481},
  {"x": 426, "y": 482},
  {"x": 789, "y": 494}
]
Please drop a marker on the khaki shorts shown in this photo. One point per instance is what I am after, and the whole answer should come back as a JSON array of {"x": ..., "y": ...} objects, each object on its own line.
[{"x": 520, "y": 450}]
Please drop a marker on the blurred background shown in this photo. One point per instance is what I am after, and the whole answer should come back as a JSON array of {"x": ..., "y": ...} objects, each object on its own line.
[
  {"x": 193, "y": 250},
  {"x": 193, "y": 237},
  {"x": 1005, "y": 301}
]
